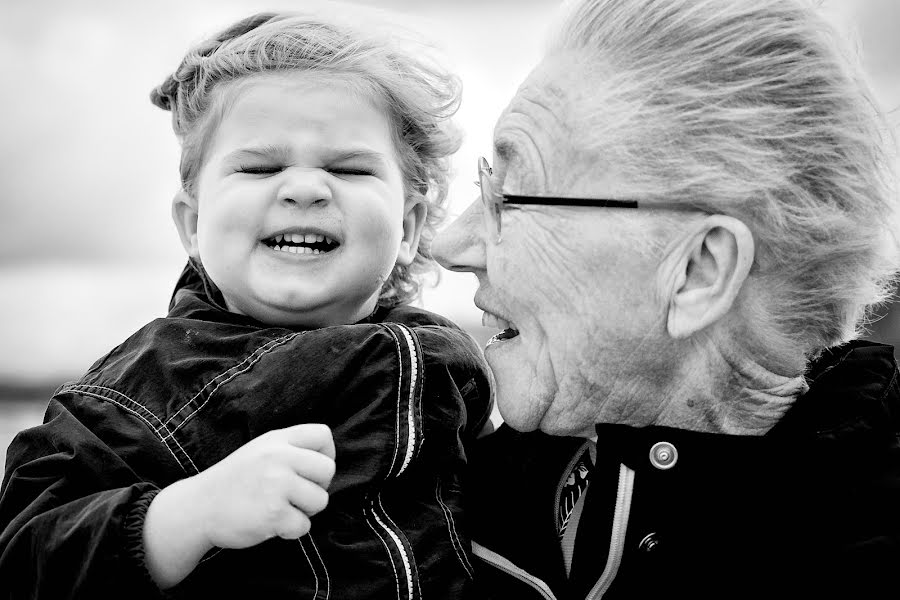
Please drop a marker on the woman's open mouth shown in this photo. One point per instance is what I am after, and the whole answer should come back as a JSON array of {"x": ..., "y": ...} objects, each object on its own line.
[
  {"x": 509, "y": 330},
  {"x": 301, "y": 243}
]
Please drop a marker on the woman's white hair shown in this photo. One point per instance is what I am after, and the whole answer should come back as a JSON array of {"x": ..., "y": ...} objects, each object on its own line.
[{"x": 750, "y": 108}]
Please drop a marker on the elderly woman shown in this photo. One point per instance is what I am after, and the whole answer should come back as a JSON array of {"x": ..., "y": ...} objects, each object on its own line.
[{"x": 688, "y": 206}]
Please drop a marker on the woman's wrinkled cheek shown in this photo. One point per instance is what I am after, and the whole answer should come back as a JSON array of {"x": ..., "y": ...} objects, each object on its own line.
[{"x": 565, "y": 273}]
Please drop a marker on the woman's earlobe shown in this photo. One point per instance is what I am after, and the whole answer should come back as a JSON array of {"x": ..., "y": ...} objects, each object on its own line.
[
  {"x": 185, "y": 214},
  {"x": 711, "y": 270}
]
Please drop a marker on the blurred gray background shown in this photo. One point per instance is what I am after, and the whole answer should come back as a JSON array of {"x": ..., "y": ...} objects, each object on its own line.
[{"x": 88, "y": 166}]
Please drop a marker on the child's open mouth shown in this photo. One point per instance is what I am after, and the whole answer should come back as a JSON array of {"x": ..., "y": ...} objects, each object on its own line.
[{"x": 301, "y": 243}]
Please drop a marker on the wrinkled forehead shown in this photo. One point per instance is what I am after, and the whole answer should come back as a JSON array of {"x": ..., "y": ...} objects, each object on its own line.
[{"x": 533, "y": 138}]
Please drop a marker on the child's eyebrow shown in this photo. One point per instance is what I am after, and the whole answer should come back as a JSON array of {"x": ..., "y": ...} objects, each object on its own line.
[
  {"x": 364, "y": 154},
  {"x": 269, "y": 151},
  {"x": 283, "y": 154}
]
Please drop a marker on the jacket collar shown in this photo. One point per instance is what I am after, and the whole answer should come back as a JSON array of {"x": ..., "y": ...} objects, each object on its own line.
[
  {"x": 853, "y": 390},
  {"x": 853, "y": 401},
  {"x": 197, "y": 297}
]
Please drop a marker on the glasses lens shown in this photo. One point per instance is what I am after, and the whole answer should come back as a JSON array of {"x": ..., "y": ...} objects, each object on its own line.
[{"x": 490, "y": 200}]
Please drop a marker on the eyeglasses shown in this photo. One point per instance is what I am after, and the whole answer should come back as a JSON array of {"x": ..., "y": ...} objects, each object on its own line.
[{"x": 493, "y": 201}]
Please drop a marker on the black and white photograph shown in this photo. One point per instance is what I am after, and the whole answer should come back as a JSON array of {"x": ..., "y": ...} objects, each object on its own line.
[{"x": 421, "y": 299}]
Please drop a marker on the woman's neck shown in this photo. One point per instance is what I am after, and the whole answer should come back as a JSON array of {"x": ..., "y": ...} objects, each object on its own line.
[{"x": 722, "y": 389}]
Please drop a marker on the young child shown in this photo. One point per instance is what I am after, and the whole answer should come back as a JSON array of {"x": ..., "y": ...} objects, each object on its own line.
[{"x": 195, "y": 457}]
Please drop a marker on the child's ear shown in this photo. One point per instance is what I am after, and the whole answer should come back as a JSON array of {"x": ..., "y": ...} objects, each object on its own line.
[
  {"x": 184, "y": 213},
  {"x": 413, "y": 222}
]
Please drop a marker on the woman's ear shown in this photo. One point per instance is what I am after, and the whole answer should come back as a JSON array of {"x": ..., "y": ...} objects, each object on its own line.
[
  {"x": 185, "y": 213},
  {"x": 413, "y": 223},
  {"x": 706, "y": 272}
]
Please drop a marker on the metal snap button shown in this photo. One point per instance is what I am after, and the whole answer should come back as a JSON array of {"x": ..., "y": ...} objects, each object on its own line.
[
  {"x": 663, "y": 455},
  {"x": 649, "y": 543}
]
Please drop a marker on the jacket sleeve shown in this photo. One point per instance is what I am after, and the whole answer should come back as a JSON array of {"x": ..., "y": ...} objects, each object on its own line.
[
  {"x": 454, "y": 353},
  {"x": 72, "y": 509}
]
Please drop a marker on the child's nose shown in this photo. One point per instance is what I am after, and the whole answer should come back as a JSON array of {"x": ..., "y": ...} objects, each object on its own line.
[{"x": 304, "y": 187}]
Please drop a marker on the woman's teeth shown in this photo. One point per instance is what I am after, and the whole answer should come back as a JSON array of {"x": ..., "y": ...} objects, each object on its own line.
[
  {"x": 509, "y": 330},
  {"x": 489, "y": 320}
]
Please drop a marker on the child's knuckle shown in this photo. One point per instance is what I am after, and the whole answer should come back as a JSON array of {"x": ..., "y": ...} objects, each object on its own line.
[{"x": 319, "y": 499}]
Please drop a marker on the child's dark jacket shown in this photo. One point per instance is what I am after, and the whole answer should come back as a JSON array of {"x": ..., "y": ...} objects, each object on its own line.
[{"x": 403, "y": 392}]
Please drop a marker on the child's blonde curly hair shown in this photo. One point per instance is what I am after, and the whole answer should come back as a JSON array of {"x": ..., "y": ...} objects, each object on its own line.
[{"x": 418, "y": 95}]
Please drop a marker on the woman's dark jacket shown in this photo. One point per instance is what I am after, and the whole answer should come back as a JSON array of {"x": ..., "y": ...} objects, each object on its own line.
[
  {"x": 810, "y": 510},
  {"x": 404, "y": 393}
]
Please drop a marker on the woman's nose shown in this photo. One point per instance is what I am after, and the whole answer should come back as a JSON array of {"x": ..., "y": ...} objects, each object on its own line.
[
  {"x": 304, "y": 187},
  {"x": 460, "y": 246}
]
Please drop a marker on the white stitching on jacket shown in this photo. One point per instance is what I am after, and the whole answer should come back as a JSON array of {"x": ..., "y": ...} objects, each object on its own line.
[
  {"x": 86, "y": 386},
  {"x": 400, "y": 548},
  {"x": 135, "y": 413},
  {"x": 399, "y": 389},
  {"x": 454, "y": 535},
  {"x": 386, "y": 548},
  {"x": 84, "y": 389},
  {"x": 262, "y": 350},
  {"x": 411, "y": 436},
  {"x": 311, "y": 568},
  {"x": 324, "y": 568},
  {"x": 409, "y": 560},
  {"x": 411, "y": 414}
]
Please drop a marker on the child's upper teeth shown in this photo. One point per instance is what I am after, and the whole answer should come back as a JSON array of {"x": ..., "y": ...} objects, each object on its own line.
[{"x": 301, "y": 238}]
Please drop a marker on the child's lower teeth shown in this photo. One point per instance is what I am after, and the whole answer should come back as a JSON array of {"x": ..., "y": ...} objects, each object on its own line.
[{"x": 298, "y": 249}]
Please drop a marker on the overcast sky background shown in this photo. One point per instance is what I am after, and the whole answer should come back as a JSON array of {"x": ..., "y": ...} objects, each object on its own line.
[{"x": 88, "y": 166}]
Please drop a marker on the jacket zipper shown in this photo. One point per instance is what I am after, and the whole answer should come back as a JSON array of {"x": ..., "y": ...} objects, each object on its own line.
[
  {"x": 617, "y": 538},
  {"x": 492, "y": 558},
  {"x": 616, "y": 546},
  {"x": 390, "y": 536},
  {"x": 411, "y": 406},
  {"x": 406, "y": 567}
]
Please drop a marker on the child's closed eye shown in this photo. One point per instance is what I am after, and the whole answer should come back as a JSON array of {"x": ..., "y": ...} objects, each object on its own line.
[
  {"x": 350, "y": 171},
  {"x": 259, "y": 169}
]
